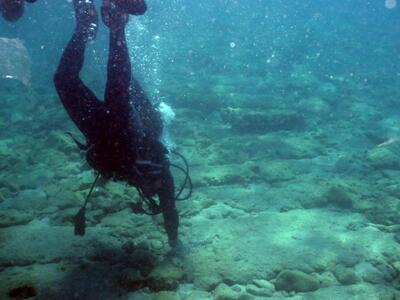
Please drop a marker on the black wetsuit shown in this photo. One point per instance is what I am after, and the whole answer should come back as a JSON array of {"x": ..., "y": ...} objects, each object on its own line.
[{"x": 123, "y": 131}]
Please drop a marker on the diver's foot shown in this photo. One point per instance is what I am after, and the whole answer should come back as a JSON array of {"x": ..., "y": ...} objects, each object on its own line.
[
  {"x": 86, "y": 18},
  {"x": 113, "y": 18},
  {"x": 132, "y": 7}
]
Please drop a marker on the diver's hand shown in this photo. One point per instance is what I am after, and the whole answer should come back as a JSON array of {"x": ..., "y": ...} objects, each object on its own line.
[{"x": 177, "y": 248}]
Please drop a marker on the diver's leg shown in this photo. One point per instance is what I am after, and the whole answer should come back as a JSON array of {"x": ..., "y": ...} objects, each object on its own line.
[
  {"x": 166, "y": 195},
  {"x": 119, "y": 73},
  {"x": 78, "y": 100},
  {"x": 123, "y": 93}
]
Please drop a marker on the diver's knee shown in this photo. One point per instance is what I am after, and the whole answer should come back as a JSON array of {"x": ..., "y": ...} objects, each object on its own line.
[{"x": 58, "y": 79}]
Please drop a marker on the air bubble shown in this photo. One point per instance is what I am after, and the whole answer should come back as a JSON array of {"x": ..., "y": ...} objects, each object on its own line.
[{"x": 390, "y": 4}]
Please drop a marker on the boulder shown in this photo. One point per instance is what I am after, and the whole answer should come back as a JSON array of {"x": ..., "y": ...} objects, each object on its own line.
[
  {"x": 165, "y": 276},
  {"x": 346, "y": 276},
  {"x": 296, "y": 281},
  {"x": 338, "y": 197}
]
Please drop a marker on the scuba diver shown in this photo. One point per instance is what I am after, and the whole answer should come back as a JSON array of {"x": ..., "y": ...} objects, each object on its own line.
[
  {"x": 12, "y": 10},
  {"x": 122, "y": 132}
]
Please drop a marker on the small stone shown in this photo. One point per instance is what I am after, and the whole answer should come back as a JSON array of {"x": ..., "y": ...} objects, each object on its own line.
[
  {"x": 259, "y": 291},
  {"x": 327, "y": 279},
  {"x": 226, "y": 292},
  {"x": 156, "y": 244},
  {"x": 345, "y": 276},
  {"x": 264, "y": 284},
  {"x": 297, "y": 281}
]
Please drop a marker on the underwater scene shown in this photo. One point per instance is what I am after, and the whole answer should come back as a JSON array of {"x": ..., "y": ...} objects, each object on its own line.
[{"x": 273, "y": 172}]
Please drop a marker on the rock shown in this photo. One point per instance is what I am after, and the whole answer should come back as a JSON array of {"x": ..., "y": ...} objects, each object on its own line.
[
  {"x": 131, "y": 279},
  {"x": 30, "y": 199},
  {"x": 264, "y": 284},
  {"x": 11, "y": 217},
  {"x": 327, "y": 279},
  {"x": 166, "y": 296},
  {"x": 383, "y": 158},
  {"x": 274, "y": 171},
  {"x": 165, "y": 276},
  {"x": 22, "y": 292},
  {"x": 314, "y": 106},
  {"x": 397, "y": 237},
  {"x": 10, "y": 183},
  {"x": 369, "y": 273},
  {"x": 226, "y": 292},
  {"x": 396, "y": 266},
  {"x": 345, "y": 276},
  {"x": 157, "y": 245},
  {"x": 337, "y": 196},
  {"x": 297, "y": 281},
  {"x": 61, "y": 141},
  {"x": 207, "y": 283},
  {"x": 251, "y": 121},
  {"x": 259, "y": 291},
  {"x": 198, "y": 294},
  {"x": 327, "y": 90}
]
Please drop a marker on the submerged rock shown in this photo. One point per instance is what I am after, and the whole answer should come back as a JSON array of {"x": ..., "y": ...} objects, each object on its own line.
[
  {"x": 264, "y": 284},
  {"x": 384, "y": 158},
  {"x": 23, "y": 292},
  {"x": 226, "y": 292},
  {"x": 345, "y": 276},
  {"x": 370, "y": 273},
  {"x": 10, "y": 217},
  {"x": 166, "y": 296},
  {"x": 165, "y": 276},
  {"x": 259, "y": 291},
  {"x": 337, "y": 196},
  {"x": 296, "y": 281},
  {"x": 251, "y": 121}
]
